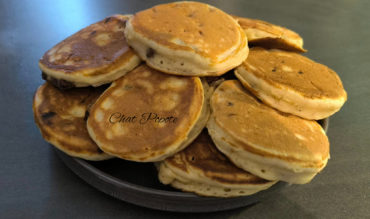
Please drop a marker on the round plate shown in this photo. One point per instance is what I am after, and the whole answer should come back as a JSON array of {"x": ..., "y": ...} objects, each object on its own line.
[{"x": 137, "y": 183}]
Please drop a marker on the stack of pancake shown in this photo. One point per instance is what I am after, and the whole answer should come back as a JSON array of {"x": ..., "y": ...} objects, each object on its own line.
[{"x": 225, "y": 106}]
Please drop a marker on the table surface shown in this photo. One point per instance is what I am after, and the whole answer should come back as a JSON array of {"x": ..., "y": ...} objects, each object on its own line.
[{"x": 35, "y": 183}]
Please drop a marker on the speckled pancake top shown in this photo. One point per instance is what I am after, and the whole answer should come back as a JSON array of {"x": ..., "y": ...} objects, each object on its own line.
[
  {"x": 61, "y": 116},
  {"x": 91, "y": 51},
  {"x": 294, "y": 71},
  {"x": 273, "y": 36},
  {"x": 203, "y": 156},
  {"x": 145, "y": 93},
  {"x": 262, "y": 130},
  {"x": 192, "y": 26}
]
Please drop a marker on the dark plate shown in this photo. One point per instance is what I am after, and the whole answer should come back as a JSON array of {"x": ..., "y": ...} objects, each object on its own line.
[{"x": 137, "y": 183}]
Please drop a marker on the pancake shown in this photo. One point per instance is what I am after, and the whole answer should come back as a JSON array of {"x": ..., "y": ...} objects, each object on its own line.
[
  {"x": 95, "y": 55},
  {"x": 264, "y": 141},
  {"x": 187, "y": 38},
  {"x": 147, "y": 115},
  {"x": 292, "y": 83},
  {"x": 202, "y": 169},
  {"x": 267, "y": 35},
  {"x": 61, "y": 118}
]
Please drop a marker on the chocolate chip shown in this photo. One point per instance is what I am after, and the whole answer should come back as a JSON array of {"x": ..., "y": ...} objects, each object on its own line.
[
  {"x": 62, "y": 84},
  {"x": 48, "y": 115},
  {"x": 99, "y": 150},
  {"x": 230, "y": 104},
  {"x": 107, "y": 20},
  {"x": 191, "y": 15},
  {"x": 274, "y": 69},
  {"x": 300, "y": 72},
  {"x": 83, "y": 100},
  {"x": 150, "y": 53},
  {"x": 128, "y": 87},
  {"x": 231, "y": 114}
]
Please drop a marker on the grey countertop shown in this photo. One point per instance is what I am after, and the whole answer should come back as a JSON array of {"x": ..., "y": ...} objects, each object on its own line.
[{"x": 35, "y": 183}]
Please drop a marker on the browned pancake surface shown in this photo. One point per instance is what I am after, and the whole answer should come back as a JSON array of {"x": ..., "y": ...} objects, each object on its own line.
[
  {"x": 139, "y": 93},
  {"x": 203, "y": 156},
  {"x": 309, "y": 78},
  {"x": 265, "y": 131},
  {"x": 60, "y": 116},
  {"x": 210, "y": 31},
  {"x": 96, "y": 49}
]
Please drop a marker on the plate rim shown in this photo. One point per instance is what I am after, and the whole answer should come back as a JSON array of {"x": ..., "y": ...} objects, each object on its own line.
[
  {"x": 98, "y": 178},
  {"x": 169, "y": 201}
]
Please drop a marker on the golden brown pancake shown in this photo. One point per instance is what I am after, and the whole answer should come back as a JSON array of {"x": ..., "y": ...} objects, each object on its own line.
[
  {"x": 202, "y": 169},
  {"x": 95, "y": 55},
  {"x": 267, "y": 35},
  {"x": 147, "y": 115},
  {"x": 60, "y": 117},
  {"x": 263, "y": 141},
  {"x": 187, "y": 38},
  {"x": 292, "y": 83}
]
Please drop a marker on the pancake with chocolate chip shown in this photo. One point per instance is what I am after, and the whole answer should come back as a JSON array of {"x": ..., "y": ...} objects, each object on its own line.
[
  {"x": 267, "y": 35},
  {"x": 148, "y": 115},
  {"x": 187, "y": 38},
  {"x": 95, "y": 55},
  {"x": 202, "y": 169},
  {"x": 292, "y": 83},
  {"x": 264, "y": 141},
  {"x": 61, "y": 118}
]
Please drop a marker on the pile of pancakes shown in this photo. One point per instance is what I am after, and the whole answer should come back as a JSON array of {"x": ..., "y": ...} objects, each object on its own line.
[{"x": 224, "y": 106}]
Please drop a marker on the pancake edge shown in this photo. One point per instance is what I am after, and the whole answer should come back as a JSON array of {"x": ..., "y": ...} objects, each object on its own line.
[
  {"x": 198, "y": 183},
  {"x": 56, "y": 143},
  {"x": 287, "y": 100},
  {"x": 258, "y": 37},
  {"x": 277, "y": 43},
  {"x": 181, "y": 62},
  {"x": 80, "y": 80},
  {"x": 266, "y": 167},
  {"x": 193, "y": 132}
]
